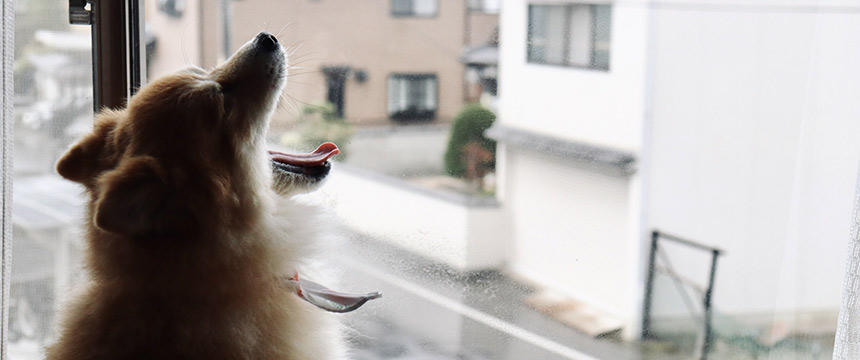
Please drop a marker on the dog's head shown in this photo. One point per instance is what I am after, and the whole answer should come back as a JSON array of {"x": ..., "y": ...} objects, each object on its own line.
[{"x": 188, "y": 152}]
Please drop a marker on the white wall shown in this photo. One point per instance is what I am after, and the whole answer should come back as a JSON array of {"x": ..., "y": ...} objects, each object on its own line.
[
  {"x": 592, "y": 106},
  {"x": 570, "y": 229},
  {"x": 399, "y": 150},
  {"x": 755, "y": 145}
]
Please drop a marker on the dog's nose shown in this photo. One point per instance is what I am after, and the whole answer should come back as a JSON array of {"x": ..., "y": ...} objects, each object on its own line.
[{"x": 267, "y": 41}]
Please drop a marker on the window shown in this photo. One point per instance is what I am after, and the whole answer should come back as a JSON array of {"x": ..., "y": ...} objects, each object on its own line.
[
  {"x": 415, "y": 8},
  {"x": 412, "y": 96},
  {"x": 699, "y": 212},
  {"x": 570, "y": 35},
  {"x": 485, "y": 6}
]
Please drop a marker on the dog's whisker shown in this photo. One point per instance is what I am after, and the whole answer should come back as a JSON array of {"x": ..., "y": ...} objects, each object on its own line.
[
  {"x": 301, "y": 61},
  {"x": 295, "y": 47},
  {"x": 304, "y": 72},
  {"x": 292, "y": 98},
  {"x": 283, "y": 27}
]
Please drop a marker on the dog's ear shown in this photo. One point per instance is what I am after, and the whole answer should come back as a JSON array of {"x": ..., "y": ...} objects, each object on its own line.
[
  {"x": 132, "y": 198},
  {"x": 87, "y": 158}
]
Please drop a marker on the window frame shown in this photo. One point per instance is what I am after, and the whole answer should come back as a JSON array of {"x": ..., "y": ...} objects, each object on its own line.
[
  {"x": 411, "y": 75},
  {"x": 568, "y": 8},
  {"x": 7, "y": 22},
  {"x": 413, "y": 14}
]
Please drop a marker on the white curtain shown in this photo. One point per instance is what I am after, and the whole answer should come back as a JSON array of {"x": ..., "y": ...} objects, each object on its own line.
[
  {"x": 847, "y": 345},
  {"x": 7, "y": 51}
]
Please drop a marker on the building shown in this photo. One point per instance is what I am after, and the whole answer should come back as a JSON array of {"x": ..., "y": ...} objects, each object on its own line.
[
  {"x": 375, "y": 61},
  {"x": 730, "y": 124}
]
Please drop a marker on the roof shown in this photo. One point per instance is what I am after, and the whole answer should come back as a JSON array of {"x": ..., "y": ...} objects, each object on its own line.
[{"x": 565, "y": 149}]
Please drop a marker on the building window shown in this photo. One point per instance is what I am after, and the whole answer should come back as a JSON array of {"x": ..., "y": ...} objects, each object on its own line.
[
  {"x": 484, "y": 6},
  {"x": 416, "y": 8},
  {"x": 570, "y": 35},
  {"x": 412, "y": 96}
]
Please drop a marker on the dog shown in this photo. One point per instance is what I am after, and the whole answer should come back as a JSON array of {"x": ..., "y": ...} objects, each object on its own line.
[{"x": 194, "y": 242}]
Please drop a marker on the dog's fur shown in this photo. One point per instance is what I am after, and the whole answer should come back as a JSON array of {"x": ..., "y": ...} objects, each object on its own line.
[{"x": 186, "y": 237}]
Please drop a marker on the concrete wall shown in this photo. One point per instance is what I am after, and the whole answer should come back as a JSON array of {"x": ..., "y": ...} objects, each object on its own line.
[
  {"x": 755, "y": 142},
  {"x": 399, "y": 150},
  {"x": 600, "y": 107},
  {"x": 482, "y": 27},
  {"x": 363, "y": 35},
  {"x": 439, "y": 227}
]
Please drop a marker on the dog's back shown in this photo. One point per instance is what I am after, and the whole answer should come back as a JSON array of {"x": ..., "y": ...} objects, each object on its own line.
[{"x": 187, "y": 247}]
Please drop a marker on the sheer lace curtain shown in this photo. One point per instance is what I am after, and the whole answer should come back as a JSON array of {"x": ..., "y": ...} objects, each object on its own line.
[
  {"x": 848, "y": 330},
  {"x": 7, "y": 53}
]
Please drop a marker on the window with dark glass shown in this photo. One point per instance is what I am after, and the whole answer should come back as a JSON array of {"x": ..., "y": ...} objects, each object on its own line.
[
  {"x": 417, "y": 8},
  {"x": 570, "y": 35},
  {"x": 412, "y": 96}
]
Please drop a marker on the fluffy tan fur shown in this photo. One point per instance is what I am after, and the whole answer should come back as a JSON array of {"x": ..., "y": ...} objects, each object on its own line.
[{"x": 186, "y": 238}]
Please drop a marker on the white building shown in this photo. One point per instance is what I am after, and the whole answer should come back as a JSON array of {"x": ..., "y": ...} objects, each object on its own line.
[{"x": 732, "y": 123}]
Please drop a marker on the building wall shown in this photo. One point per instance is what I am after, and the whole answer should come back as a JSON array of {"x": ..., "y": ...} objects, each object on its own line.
[
  {"x": 179, "y": 42},
  {"x": 575, "y": 226},
  {"x": 599, "y": 107},
  {"x": 481, "y": 27},
  {"x": 754, "y": 147},
  {"x": 363, "y": 35},
  {"x": 571, "y": 229}
]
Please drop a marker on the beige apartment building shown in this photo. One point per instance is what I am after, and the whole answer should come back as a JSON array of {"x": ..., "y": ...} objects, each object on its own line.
[{"x": 376, "y": 61}]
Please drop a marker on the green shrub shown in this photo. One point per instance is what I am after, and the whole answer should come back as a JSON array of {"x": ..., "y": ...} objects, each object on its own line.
[{"x": 468, "y": 127}]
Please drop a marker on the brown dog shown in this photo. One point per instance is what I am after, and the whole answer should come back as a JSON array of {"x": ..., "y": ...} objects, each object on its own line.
[{"x": 188, "y": 244}]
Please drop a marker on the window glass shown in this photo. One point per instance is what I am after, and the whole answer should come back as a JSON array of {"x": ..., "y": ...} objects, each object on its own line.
[
  {"x": 602, "y": 22},
  {"x": 579, "y": 37}
]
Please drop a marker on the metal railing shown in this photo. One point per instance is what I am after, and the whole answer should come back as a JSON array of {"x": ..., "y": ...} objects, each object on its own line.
[{"x": 707, "y": 321}]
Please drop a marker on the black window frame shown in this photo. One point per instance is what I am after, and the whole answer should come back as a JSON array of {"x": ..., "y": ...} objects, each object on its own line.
[
  {"x": 407, "y": 115},
  {"x": 568, "y": 8},
  {"x": 117, "y": 51},
  {"x": 411, "y": 13}
]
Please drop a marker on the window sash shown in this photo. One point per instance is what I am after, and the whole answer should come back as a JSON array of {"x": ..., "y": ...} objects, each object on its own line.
[
  {"x": 577, "y": 35},
  {"x": 6, "y": 60}
]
